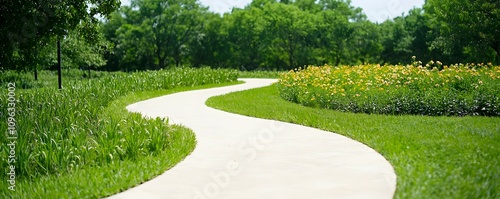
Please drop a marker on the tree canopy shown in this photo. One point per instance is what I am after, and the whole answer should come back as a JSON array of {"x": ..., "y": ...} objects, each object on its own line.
[
  {"x": 266, "y": 34},
  {"x": 28, "y": 25},
  {"x": 472, "y": 26}
]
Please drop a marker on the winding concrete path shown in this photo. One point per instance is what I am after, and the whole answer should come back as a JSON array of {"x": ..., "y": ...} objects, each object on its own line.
[{"x": 239, "y": 157}]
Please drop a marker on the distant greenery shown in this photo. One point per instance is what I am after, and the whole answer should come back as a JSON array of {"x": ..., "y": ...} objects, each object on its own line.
[
  {"x": 459, "y": 35},
  {"x": 30, "y": 28},
  {"x": 282, "y": 35},
  {"x": 266, "y": 34},
  {"x": 434, "y": 157},
  {"x": 81, "y": 128},
  {"x": 259, "y": 74},
  {"x": 456, "y": 90},
  {"x": 48, "y": 78}
]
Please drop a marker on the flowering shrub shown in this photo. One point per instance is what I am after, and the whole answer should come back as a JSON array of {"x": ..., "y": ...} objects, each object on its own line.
[{"x": 434, "y": 89}]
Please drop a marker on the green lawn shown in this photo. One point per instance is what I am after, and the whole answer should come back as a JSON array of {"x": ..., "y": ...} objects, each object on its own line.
[{"x": 434, "y": 157}]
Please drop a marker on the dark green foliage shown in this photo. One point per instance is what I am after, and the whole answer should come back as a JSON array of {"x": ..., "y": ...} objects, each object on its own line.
[
  {"x": 27, "y": 26},
  {"x": 266, "y": 34},
  {"x": 470, "y": 28},
  {"x": 154, "y": 34}
]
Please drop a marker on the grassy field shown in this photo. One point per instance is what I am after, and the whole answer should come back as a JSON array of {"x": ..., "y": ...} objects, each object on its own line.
[
  {"x": 434, "y": 157},
  {"x": 259, "y": 74},
  {"x": 80, "y": 142},
  {"x": 48, "y": 79}
]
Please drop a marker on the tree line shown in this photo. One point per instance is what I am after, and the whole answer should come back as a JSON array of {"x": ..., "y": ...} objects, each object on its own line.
[
  {"x": 29, "y": 29},
  {"x": 266, "y": 34}
]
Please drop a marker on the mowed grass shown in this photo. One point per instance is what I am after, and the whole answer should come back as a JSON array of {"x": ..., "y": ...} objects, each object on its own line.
[
  {"x": 434, "y": 157},
  {"x": 80, "y": 142}
]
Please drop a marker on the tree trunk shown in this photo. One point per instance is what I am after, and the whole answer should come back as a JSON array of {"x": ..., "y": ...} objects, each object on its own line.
[
  {"x": 36, "y": 74},
  {"x": 292, "y": 60},
  {"x": 161, "y": 64},
  {"x": 59, "y": 65},
  {"x": 498, "y": 51},
  {"x": 177, "y": 62},
  {"x": 177, "y": 56},
  {"x": 337, "y": 60},
  {"x": 291, "y": 52}
]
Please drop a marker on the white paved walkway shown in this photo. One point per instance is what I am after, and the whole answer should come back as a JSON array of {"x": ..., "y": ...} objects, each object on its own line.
[{"x": 239, "y": 157}]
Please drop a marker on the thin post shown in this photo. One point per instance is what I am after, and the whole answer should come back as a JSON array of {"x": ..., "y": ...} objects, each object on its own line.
[{"x": 59, "y": 71}]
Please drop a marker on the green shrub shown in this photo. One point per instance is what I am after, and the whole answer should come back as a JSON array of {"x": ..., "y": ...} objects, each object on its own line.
[{"x": 457, "y": 90}]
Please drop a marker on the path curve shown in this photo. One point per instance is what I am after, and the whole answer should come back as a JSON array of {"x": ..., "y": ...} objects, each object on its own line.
[{"x": 239, "y": 157}]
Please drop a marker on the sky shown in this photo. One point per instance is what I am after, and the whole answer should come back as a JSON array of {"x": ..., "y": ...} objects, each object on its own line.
[{"x": 375, "y": 10}]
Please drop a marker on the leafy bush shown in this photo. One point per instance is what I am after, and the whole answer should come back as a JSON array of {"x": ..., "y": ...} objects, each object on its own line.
[
  {"x": 63, "y": 130},
  {"x": 456, "y": 90}
]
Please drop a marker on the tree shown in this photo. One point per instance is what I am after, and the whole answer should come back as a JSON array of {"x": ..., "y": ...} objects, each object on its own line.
[
  {"x": 27, "y": 25},
  {"x": 467, "y": 24},
  {"x": 308, "y": 5},
  {"x": 405, "y": 37},
  {"x": 260, "y": 3},
  {"x": 418, "y": 27},
  {"x": 168, "y": 27},
  {"x": 76, "y": 52},
  {"x": 243, "y": 30},
  {"x": 287, "y": 32},
  {"x": 136, "y": 47},
  {"x": 210, "y": 47},
  {"x": 334, "y": 33},
  {"x": 365, "y": 42},
  {"x": 344, "y": 7},
  {"x": 154, "y": 34}
]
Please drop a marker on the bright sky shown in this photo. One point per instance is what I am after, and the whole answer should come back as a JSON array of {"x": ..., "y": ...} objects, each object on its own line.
[{"x": 376, "y": 10}]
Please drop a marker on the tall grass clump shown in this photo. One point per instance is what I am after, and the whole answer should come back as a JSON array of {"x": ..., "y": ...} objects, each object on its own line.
[
  {"x": 47, "y": 78},
  {"x": 456, "y": 90},
  {"x": 61, "y": 131},
  {"x": 260, "y": 74}
]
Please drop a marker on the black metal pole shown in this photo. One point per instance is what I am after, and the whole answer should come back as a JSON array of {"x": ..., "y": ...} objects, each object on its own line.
[
  {"x": 35, "y": 67},
  {"x": 36, "y": 73},
  {"x": 59, "y": 71}
]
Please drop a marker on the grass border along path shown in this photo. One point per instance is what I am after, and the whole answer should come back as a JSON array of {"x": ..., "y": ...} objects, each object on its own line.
[
  {"x": 434, "y": 157},
  {"x": 102, "y": 181}
]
